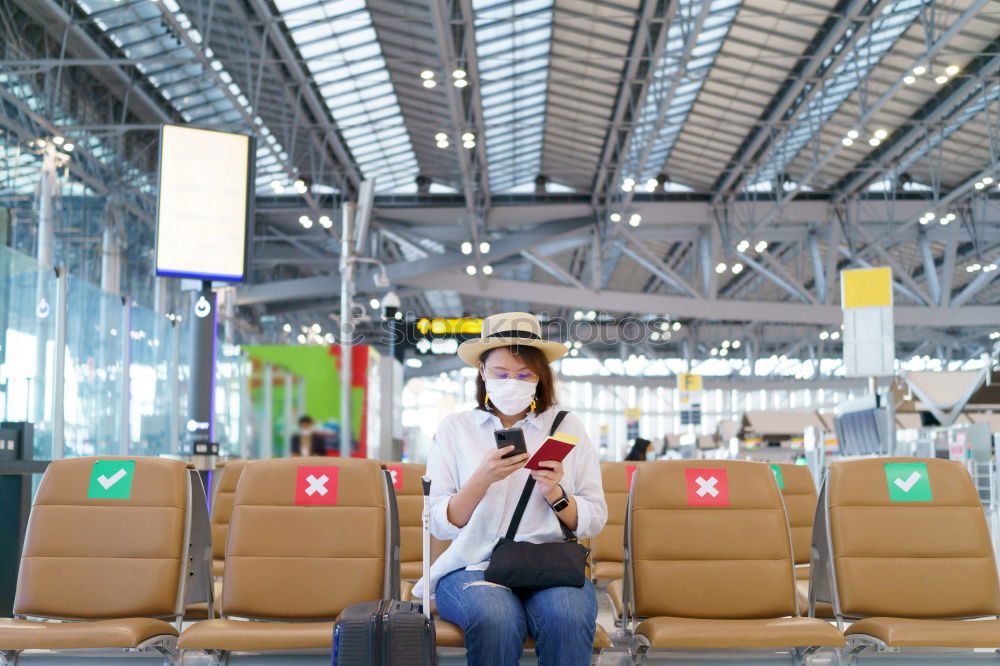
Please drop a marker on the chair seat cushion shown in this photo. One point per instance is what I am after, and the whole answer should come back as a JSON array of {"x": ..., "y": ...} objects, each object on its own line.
[
  {"x": 246, "y": 636},
  {"x": 616, "y": 596},
  {"x": 411, "y": 570},
  {"x": 899, "y": 632},
  {"x": 92, "y": 634},
  {"x": 218, "y": 568},
  {"x": 451, "y": 636},
  {"x": 787, "y": 632},
  {"x": 605, "y": 570},
  {"x": 823, "y": 609}
]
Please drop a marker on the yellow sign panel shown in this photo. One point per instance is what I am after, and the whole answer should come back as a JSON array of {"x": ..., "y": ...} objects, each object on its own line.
[
  {"x": 632, "y": 413},
  {"x": 866, "y": 288},
  {"x": 442, "y": 326},
  {"x": 689, "y": 382}
]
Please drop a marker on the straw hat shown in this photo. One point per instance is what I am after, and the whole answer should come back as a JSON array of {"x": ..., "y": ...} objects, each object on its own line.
[{"x": 504, "y": 330}]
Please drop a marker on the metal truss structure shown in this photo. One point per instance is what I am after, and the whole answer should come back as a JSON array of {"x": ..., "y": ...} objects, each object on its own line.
[{"x": 713, "y": 162}]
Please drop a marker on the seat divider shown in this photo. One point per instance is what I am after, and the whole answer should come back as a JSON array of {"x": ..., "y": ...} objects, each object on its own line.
[{"x": 391, "y": 588}]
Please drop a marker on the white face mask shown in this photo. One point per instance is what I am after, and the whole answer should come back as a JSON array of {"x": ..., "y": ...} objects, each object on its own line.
[
  {"x": 651, "y": 455},
  {"x": 510, "y": 396}
]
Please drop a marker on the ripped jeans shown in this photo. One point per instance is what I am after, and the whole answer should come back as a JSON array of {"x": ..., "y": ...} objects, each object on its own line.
[{"x": 496, "y": 621}]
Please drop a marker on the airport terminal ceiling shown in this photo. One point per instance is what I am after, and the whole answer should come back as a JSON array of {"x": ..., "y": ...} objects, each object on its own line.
[{"x": 713, "y": 163}]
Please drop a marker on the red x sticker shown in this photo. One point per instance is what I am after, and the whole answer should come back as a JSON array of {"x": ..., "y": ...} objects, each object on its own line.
[
  {"x": 397, "y": 475},
  {"x": 629, "y": 473},
  {"x": 707, "y": 487},
  {"x": 316, "y": 485}
]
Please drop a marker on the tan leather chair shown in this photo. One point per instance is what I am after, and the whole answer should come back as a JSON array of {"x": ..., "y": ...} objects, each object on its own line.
[
  {"x": 410, "y": 500},
  {"x": 117, "y": 567},
  {"x": 908, "y": 570},
  {"x": 713, "y": 577},
  {"x": 298, "y": 566},
  {"x": 222, "y": 509},
  {"x": 799, "y": 495},
  {"x": 609, "y": 550}
]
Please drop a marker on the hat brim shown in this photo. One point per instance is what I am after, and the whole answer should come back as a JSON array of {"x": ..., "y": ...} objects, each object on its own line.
[{"x": 470, "y": 350}]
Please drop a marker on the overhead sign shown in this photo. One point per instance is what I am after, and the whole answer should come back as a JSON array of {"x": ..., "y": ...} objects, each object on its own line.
[
  {"x": 204, "y": 203},
  {"x": 450, "y": 326},
  {"x": 869, "y": 336},
  {"x": 689, "y": 399},
  {"x": 111, "y": 479}
]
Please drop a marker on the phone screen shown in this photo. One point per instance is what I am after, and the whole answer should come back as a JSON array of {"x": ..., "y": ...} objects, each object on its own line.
[{"x": 509, "y": 436}]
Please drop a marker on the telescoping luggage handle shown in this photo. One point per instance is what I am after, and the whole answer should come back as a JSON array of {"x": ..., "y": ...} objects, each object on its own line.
[{"x": 426, "y": 519}]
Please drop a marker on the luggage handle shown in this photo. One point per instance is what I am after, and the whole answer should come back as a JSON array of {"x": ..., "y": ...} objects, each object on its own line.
[{"x": 426, "y": 520}]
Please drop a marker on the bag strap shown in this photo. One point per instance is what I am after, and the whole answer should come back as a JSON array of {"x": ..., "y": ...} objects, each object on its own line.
[{"x": 529, "y": 485}]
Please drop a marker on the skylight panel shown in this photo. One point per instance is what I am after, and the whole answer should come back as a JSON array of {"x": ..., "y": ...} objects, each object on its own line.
[
  {"x": 513, "y": 40},
  {"x": 356, "y": 89},
  {"x": 866, "y": 52},
  {"x": 661, "y": 126}
]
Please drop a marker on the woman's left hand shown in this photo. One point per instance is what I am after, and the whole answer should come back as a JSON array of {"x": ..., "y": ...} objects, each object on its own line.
[{"x": 548, "y": 479}]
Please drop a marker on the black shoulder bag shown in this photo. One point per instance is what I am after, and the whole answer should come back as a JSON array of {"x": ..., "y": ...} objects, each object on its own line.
[{"x": 536, "y": 566}]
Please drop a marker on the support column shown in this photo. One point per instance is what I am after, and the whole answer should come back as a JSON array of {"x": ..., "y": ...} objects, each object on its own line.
[
  {"x": 346, "y": 326},
  {"x": 203, "y": 315},
  {"x": 267, "y": 424},
  {"x": 111, "y": 258},
  {"x": 47, "y": 188}
]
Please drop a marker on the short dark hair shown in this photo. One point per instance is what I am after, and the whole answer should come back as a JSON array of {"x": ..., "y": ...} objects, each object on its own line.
[
  {"x": 534, "y": 358},
  {"x": 304, "y": 419}
]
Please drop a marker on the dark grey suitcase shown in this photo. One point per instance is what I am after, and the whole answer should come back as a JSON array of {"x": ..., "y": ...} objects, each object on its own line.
[{"x": 384, "y": 633}]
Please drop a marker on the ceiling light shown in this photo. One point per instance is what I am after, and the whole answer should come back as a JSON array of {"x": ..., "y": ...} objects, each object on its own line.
[
  {"x": 316, "y": 328},
  {"x": 853, "y": 134},
  {"x": 909, "y": 79},
  {"x": 743, "y": 246},
  {"x": 761, "y": 246},
  {"x": 577, "y": 344},
  {"x": 714, "y": 351},
  {"x": 427, "y": 74},
  {"x": 461, "y": 83},
  {"x": 847, "y": 141},
  {"x": 979, "y": 186},
  {"x": 823, "y": 335},
  {"x": 929, "y": 215},
  {"x": 441, "y": 136},
  {"x": 736, "y": 344},
  {"x": 325, "y": 221},
  {"x": 277, "y": 186},
  {"x": 470, "y": 269},
  {"x": 992, "y": 267},
  {"x": 737, "y": 268},
  {"x": 574, "y": 352},
  {"x": 287, "y": 328},
  {"x": 873, "y": 142},
  {"x": 950, "y": 217},
  {"x": 995, "y": 335},
  {"x": 578, "y": 315},
  {"x": 835, "y": 335},
  {"x": 654, "y": 336},
  {"x": 665, "y": 326},
  {"x": 468, "y": 136},
  {"x": 919, "y": 70},
  {"x": 941, "y": 80},
  {"x": 725, "y": 343},
  {"x": 484, "y": 247},
  {"x": 634, "y": 219},
  {"x": 987, "y": 181},
  {"x": 952, "y": 70},
  {"x": 592, "y": 315},
  {"x": 429, "y": 83},
  {"x": 676, "y": 326},
  {"x": 628, "y": 184},
  {"x": 616, "y": 217},
  {"x": 487, "y": 270},
  {"x": 651, "y": 184},
  {"x": 374, "y": 303},
  {"x": 881, "y": 134},
  {"x": 720, "y": 267},
  {"x": 443, "y": 144},
  {"x": 469, "y": 144},
  {"x": 305, "y": 221},
  {"x": 466, "y": 247},
  {"x": 58, "y": 140},
  {"x": 971, "y": 268},
  {"x": 944, "y": 221},
  {"x": 301, "y": 338},
  {"x": 459, "y": 74},
  {"x": 723, "y": 352}
]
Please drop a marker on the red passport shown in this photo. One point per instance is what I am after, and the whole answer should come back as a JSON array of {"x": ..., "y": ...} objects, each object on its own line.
[{"x": 556, "y": 447}]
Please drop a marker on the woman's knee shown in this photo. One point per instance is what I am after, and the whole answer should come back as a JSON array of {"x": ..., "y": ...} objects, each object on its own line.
[{"x": 485, "y": 604}]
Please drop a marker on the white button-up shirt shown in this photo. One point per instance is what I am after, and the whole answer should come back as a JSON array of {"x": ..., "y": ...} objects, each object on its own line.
[{"x": 461, "y": 442}]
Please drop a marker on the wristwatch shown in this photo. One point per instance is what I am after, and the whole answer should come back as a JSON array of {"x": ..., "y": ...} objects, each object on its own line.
[{"x": 560, "y": 503}]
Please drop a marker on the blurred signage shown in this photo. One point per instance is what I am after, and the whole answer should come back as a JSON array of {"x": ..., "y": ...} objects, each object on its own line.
[
  {"x": 869, "y": 338},
  {"x": 450, "y": 326},
  {"x": 689, "y": 399}
]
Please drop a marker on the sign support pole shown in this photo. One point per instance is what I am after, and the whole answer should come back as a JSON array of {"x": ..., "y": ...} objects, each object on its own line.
[
  {"x": 200, "y": 425},
  {"x": 346, "y": 326}
]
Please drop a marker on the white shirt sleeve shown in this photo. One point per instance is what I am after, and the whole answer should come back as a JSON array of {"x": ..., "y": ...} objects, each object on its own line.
[
  {"x": 591, "y": 507},
  {"x": 440, "y": 463}
]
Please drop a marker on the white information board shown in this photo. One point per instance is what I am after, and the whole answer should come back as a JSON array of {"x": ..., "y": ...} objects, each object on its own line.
[{"x": 204, "y": 203}]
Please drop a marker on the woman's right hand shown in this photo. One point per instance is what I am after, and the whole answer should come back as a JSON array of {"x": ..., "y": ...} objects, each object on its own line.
[{"x": 495, "y": 468}]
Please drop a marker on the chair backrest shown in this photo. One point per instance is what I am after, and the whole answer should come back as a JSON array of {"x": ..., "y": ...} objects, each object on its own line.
[
  {"x": 107, "y": 538},
  {"x": 410, "y": 502},
  {"x": 799, "y": 493},
  {"x": 709, "y": 539},
  {"x": 222, "y": 505},
  {"x": 616, "y": 477},
  {"x": 307, "y": 538},
  {"x": 909, "y": 538}
]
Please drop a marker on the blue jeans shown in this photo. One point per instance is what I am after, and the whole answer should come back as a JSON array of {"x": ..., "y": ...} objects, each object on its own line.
[{"x": 496, "y": 620}]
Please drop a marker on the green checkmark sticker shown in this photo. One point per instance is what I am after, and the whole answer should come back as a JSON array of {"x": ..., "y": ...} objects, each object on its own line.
[
  {"x": 111, "y": 479},
  {"x": 908, "y": 482},
  {"x": 778, "y": 477}
]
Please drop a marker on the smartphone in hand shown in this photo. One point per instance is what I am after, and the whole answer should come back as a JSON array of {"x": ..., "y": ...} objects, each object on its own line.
[{"x": 508, "y": 436}]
